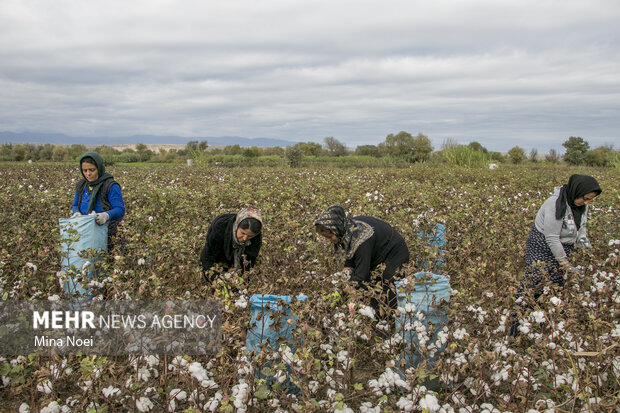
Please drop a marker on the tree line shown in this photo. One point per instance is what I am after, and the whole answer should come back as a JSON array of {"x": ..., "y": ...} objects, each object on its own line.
[{"x": 402, "y": 146}]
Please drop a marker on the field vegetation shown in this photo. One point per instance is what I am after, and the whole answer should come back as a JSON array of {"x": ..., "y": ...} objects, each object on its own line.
[{"x": 567, "y": 357}]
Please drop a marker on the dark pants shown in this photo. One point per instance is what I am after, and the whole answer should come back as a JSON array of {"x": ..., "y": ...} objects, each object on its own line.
[
  {"x": 394, "y": 263},
  {"x": 540, "y": 263}
]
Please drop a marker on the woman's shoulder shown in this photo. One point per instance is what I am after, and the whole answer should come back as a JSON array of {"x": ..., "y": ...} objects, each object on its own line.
[{"x": 223, "y": 220}]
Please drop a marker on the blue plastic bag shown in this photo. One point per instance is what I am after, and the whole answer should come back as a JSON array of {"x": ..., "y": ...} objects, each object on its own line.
[
  {"x": 89, "y": 236},
  {"x": 262, "y": 329},
  {"x": 430, "y": 290},
  {"x": 437, "y": 240}
]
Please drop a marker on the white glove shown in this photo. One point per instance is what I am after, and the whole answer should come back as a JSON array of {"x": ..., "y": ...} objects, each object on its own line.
[
  {"x": 102, "y": 218},
  {"x": 583, "y": 242},
  {"x": 76, "y": 214}
]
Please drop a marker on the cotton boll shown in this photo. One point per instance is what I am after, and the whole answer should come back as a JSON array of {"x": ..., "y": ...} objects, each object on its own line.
[
  {"x": 45, "y": 387},
  {"x": 110, "y": 391},
  {"x": 367, "y": 311},
  {"x": 429, "y": 402},
  {"x": 539, "y": 316},
  {"x": 144, "y": 404}
]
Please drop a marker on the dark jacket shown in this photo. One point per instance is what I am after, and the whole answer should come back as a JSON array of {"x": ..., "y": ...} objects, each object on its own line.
[
  {"x": 218, "y": 247},
  {"x": 109, "y": 199},
  {"x": 386, "y": 246}
]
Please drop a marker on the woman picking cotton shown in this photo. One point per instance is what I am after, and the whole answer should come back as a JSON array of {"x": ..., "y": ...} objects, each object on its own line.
[
  {"x": 98, "y": 192},
  {"x": 560, "y": 225},
  {"x": 367, "y": 243},
  {"x": 233, "y": 241}
]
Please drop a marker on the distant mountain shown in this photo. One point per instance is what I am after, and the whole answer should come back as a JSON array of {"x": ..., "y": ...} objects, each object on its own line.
[{"x": 61, "y": 139}]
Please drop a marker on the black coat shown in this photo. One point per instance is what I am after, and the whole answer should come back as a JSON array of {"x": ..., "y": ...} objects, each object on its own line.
[
  {"x": 218, "y": 247},
  {"x": 386, "y": 246}
]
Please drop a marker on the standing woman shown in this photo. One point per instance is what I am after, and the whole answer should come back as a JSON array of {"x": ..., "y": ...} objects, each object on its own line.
[
  {"x": 367, "y": 243},
  {"x": 234, "y": 241},
  {"x": 560, "y": 225},
  {"x": 98, "y": 192}
]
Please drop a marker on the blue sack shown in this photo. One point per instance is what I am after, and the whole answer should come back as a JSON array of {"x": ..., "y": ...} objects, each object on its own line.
[
  {"x": 430, "y": 290},
  {"x": 437, "y": 240},
  {"x": 263, "y": 331},
  {"x": 78, "y": 234},
  {"x": 261, "y": 324}
]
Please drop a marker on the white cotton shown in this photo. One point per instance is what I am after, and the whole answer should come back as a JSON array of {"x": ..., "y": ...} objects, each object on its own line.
[
  {"x": 45, "y": 387},
  {"x": 539, "y": 316},
  {"x": 460, "y": 333},
  {"x": 53, "y": 407},
  {"x": 144, "y": 404},
  {"x": 241, "y": 302},
  {"x": 555, "y": 301},
  {"x": 430, "y": 403},
  {"x": 197, "y": 371},
  {"x": 178, "y": 394},
  {"x": 110, "y": 391},
  {"x": 367, "y": 311},
  {"x": 24, "y": 408}
]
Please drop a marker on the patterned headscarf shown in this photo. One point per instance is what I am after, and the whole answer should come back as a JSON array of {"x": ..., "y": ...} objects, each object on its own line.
[
  {"x": 351, "y": 232},
  {"x": 239, "y": 247}
]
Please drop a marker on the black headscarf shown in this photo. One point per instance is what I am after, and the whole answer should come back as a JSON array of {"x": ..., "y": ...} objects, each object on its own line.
[
  {"x": 96, "y": 185},
  {"x": 578, "y": 186},
  {"x": 351, "y": 232}
]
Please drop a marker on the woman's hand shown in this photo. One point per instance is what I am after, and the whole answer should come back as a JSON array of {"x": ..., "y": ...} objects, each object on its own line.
[
  {"x": 101, "y": 218},
  {"x": 570, "y": 270}
]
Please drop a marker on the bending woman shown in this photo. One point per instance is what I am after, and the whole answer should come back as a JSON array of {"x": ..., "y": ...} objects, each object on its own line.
[
  {"x": 560, "y": 225},
  {"x": 367, "y": 243},
  {"x": 233, "y": 241},
  {"x": 98, "y": 192}
]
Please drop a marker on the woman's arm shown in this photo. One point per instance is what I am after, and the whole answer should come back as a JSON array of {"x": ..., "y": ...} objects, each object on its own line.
[
  {"x": 361, "y": 263},
  {"x": 551, "y": 231},
  {"x": 115, "y": 198},
  {"x": 252, "y": 251},
  {"x": 75, "y": 207}
]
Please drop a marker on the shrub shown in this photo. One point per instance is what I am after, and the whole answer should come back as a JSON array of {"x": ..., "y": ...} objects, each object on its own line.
[{"x": 461, "y": 155}]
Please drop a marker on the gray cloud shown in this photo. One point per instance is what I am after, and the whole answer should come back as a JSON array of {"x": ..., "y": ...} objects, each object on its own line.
[{"x": 528, "y": 73}]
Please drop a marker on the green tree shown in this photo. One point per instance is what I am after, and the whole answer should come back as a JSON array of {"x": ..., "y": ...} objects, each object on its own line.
[
  {"x": 293, "y": 156},
  {"x": 44, "y": 152},
  {"x": 601, "y": 156},
  {"x": 76, "y": 151},
  {"x": 273, "y": 150},
  {"x": 335, "y": 147},
  {"x": 404, "y": 145},
  {"x": 534, "y": 155},
  {"x": 421, "y": 148},
  {"x": 516, "y": 155},
  {"x": 368, "y": 150},
  {"x": 553, "y": 156},
  {"x": 24, "y": 152},
  {"x": 477, "y": 147},
  {"x": 232, "y": 150},
  {"x": 59, "y": 153},
  {"x": 6, "y": 151},
  {"x": 576, "y": 149},
  {"x": 399, "y": 145},
  {"x": 252, "y": 152},
  {"x": 309, "y": 148}
]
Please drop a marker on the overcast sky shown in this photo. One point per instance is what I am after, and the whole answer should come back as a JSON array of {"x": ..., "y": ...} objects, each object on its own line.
[{"x": 501, "y": 72}]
